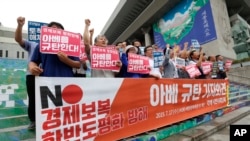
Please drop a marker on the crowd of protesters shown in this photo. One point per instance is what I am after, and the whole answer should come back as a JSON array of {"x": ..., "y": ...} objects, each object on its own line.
[
  {"x": 208, "y": 67},
  {"x": 62, "y": 65}
]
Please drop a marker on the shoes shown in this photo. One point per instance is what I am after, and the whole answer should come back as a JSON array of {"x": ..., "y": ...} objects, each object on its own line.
[{"x": 32, "y": 126}]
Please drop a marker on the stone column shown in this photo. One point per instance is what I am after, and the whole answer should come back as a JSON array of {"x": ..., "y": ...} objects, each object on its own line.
[
  {"x": 224, "y": 43},
  {"x": 146, "y": 35}
]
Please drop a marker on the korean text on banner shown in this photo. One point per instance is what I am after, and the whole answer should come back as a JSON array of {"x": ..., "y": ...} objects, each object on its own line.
[
  {"x": 158, "y": 58},
  {"x": 104, "y": 58},
  {"x": 180, "y": 62},
  {"x": 206, "y": 67},
  {"x": 138, "y": 64},
  {"x": 195, "y": 44},
  {"x": 54, "y": 40},
  {"x": 193, "y": 70},
  {"x": 34, "y": 30},
  {"x": 112, "y": 109}
]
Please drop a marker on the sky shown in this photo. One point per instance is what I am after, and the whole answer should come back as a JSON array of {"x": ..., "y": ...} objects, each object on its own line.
[{"x": 70, "y": 13}]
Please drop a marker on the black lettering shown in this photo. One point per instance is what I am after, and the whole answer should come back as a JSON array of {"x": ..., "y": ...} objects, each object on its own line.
[{"x": 46, "y": 93}]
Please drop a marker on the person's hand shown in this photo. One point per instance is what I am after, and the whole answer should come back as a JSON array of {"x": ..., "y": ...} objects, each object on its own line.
[
  {"x": 62, "y": 56},
  {"x": 91, "y": 31},
  {"x": 83, "y": 61},
  {"x": 156, "y": 76},
  {"x": 119, "y": 63},
  {"x": 161, "y": 68},
  {"x": 177, "y": 49},
  {"x": 35, "y": 70},
  {"x": 149, "y": 68},
  {"x": 201, "y": 49},
  {"x": 185, "y": 44},
  {"x": 191, "y": 47},
  {"x": 183, "y": 68},
  {"x": 87, "y": 22},
  {"x": 201, "y": 52},
  {"x": 179, "y": 66},
  {"x": 20, "y": 21}
]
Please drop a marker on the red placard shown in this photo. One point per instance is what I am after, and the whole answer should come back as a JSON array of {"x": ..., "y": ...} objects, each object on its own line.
[
  {"x": 192, "y": 70},
  {"x": 228, "y": 64},
  {"x": 138, "y": 64},
  {"x": 206, "y": 67},
  {"x": 104, "y": 58},
  {"x": 54, "y": 40}
]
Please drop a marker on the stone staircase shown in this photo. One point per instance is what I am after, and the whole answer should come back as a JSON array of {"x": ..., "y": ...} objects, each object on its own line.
[{"x": 13, "y": 101}]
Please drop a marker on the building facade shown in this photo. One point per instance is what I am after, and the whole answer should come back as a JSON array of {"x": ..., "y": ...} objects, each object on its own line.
[
  {"x": 9, "y": 48},
  {"x": 130, "y": 19}
]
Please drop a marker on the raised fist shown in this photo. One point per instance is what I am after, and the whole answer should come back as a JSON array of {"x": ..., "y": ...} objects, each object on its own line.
[
  {"x": 91, "y": 31},
  {"x": 20, "y": 21},
  {"x": 87, "y": 22}
]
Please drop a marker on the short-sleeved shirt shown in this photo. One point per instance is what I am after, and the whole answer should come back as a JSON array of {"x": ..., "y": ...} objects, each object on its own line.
[
  {"x": 51, "y": 64},
  {"x": 29, "y": 47}
]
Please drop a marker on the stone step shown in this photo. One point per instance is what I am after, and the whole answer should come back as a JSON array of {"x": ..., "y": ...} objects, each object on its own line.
[
  {"x": 15, "y": 111},
  {"x": 204, "y": 130},
  {"x": 14, "y": 121},
  {"x": 18, "y": 133},
  {"x": 14, "y": 128},
  {"x": 21, "y": 133},
  {"x": 174, "y": 131},
  {"x": 224, "y": 134}
]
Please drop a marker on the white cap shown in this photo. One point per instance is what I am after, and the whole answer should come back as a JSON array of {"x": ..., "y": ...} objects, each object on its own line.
[{"x": 130, "y": 46}]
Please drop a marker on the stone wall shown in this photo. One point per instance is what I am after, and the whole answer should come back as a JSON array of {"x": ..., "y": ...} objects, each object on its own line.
[
  {"x": 224, "y": 43},
  {"x": 240, "y": 74}
]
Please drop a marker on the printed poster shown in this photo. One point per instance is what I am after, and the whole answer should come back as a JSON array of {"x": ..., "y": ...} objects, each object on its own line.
[
  {"x": 190, "y": 19},
  {"x": 138, "y": 64},
  {"x": 54, "y": 40},
  {"x": 34, "y": 30},
  {"x": 104, "y": 58},
  {"x": 102, "y": 109}
]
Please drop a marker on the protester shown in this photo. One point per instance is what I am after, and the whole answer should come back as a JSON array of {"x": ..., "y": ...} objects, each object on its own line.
[
  {"x": 182, "y": 73},
  {"x": 156, "y": 48},
  {"x": 222, "y": 71},
  {"x": 100, "y": 41},
  {"x": 211, "y": 58},
  {"x": 91, "y": 33},
  {"x": 154, "y": 72},
  {"x": 169, "y": 68},
  {"x": 137, "y": 44},
  {"x": 195, "y": 57},
  {"x": 119, "y": 48},
  {"x": 124, "y": 58},
  {"x": 30, "y": 79},
  {"x": 213, "y": 73},
  {"x": 53, "y": 65}
]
